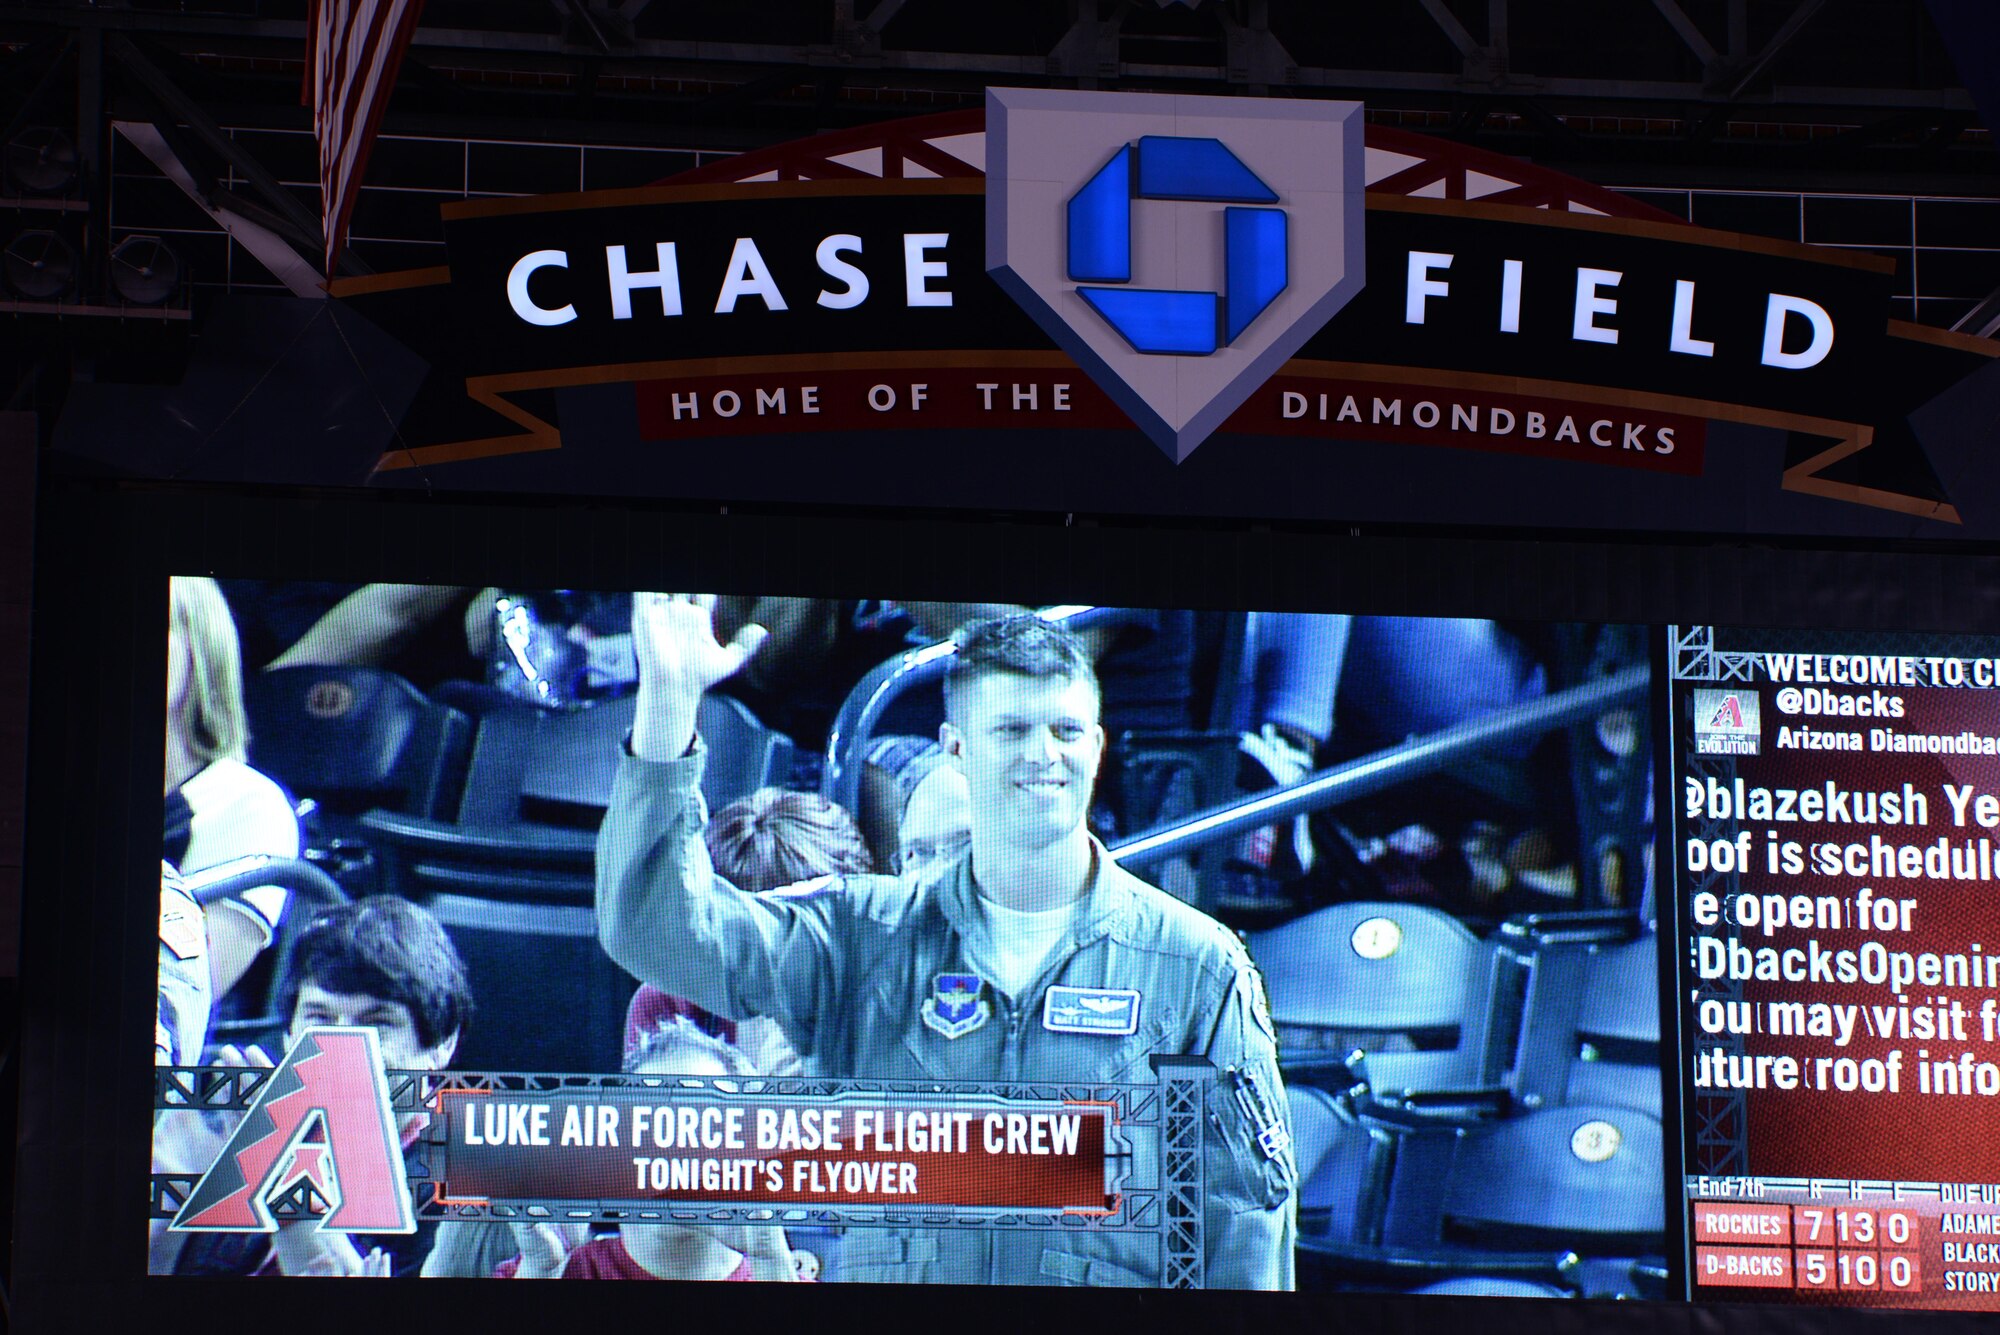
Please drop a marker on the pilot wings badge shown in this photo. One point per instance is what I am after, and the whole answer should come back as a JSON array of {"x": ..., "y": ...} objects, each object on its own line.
[{"x": 955, "y": 1006}]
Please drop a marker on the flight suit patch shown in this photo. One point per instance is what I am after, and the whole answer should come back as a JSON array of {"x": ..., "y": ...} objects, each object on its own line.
[
  {"x": 1260, "y": 1003},
  {"x": 956, "y": 1005},
  {"x": 181, "y": 929},
  {"x": 1112, "y": 1012}
]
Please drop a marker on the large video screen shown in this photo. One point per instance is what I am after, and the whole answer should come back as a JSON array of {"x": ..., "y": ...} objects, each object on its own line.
[
  {"x": 1836, "y": 796},
  {"x": 598, "y": 934}
]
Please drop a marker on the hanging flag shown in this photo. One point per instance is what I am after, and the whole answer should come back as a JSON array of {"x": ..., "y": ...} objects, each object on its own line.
[{"x": 353, "y": 50}]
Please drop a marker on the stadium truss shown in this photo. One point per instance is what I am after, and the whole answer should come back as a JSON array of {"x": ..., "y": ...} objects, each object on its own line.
[
  {"x": 953, "y": 144},
  {"x": 1721, "y": 1130},
  {"x": 1162, "y": 1121}
]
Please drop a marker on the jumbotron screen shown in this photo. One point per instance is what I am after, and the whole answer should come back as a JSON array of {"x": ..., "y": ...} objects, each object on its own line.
[
  {"x": 1835, "y": 802},
  {"x": 599, "y": 934}
]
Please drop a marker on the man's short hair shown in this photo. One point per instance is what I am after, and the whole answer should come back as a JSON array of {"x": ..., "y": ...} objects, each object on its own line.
[
  {"x": 1024, "y": 645},
  {"x": 676, "y": 1037},
  {"x": 386, "y": 947},
  {"x": 778, "y": 837}
]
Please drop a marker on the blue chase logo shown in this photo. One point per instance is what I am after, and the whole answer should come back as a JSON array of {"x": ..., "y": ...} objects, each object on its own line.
[
  {"x": 1163, "y": 321},
  {"x": 1180, "y": 248}
]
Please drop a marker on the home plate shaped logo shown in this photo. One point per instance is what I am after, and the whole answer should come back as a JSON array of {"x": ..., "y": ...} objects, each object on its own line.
[{"x": 1180, "y": 248}]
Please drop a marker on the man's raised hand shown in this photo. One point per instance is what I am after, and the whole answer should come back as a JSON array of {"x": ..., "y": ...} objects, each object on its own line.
[{"x": 679, "y": 659}]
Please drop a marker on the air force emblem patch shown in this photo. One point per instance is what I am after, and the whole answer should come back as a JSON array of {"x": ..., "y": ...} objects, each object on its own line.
[
  {"x": 956, "y": 1005},
  {"x": 1179, "y": 248},
  {"x": 1109, "y": 1011}
]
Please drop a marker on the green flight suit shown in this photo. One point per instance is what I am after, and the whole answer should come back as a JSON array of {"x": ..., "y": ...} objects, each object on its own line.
[{"x": 845, "y": 966}]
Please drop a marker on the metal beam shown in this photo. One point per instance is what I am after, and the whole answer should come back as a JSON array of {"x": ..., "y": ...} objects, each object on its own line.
[
  {"x": 1453, "y": 30},
  {"x": 53, "y": 58},
  {"x": 172, "y": 99},
  {"x": 1690, "y": 35},
  {"x": 1086, "y": 52},
  {"x": 92, "y": 155},
  {"x": 275, "y": 252},
  {"x": 176, "y": 103},
  {"x": 648, "y": 55},
  {"x": 1983, "y": 319},
  {"x": 576, "y": 14},
  {"x": 878, "y": 17},
  {"x": 1254, "y": 55},
  {"x": 1780, "y": 39}
]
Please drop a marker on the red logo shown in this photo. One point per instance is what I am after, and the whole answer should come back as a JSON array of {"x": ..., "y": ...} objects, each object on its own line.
[
  {"x": 1730, "y": 715},
  {"x": 323, "y": 1117}
]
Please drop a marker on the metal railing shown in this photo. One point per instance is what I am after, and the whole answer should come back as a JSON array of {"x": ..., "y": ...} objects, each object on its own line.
[
  {"x": 1387, "y": 768},
  {"x": 227, "y": 880}
]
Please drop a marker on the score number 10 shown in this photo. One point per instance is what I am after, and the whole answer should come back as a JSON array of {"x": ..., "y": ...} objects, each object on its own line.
[{"x": 1839, "y": 1230}]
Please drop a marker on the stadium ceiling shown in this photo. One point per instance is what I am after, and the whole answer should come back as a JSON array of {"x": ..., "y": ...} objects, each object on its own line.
[{"x": 1676, "y": 90}]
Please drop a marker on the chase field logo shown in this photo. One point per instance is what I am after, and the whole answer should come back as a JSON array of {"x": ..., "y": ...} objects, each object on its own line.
[
  {"x": 1180, "y": 248},
  {"x": 1727, "y": 723}
]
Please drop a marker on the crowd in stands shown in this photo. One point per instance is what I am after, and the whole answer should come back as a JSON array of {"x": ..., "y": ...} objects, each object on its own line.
[{"x": 1278, "y": 694}]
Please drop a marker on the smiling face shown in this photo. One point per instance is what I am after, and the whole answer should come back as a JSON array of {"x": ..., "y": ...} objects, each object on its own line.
[{"x": 1029, "y": 749}]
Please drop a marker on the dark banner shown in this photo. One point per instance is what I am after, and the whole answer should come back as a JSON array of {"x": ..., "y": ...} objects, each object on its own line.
[
  {"x": 828, "y": 307},
  {"x": 1502, "y": 360}
]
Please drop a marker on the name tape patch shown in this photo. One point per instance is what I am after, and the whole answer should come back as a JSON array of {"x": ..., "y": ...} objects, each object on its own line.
[{"x": 1110, "y": 1011}]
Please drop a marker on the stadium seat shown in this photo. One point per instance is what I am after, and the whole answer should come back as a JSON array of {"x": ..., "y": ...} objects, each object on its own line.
[
  {"x": 354, "y": 738},
  {"x": 546, "y": 996},
  {"x": 1409, "y": 985},
  {"x": 512, "y": 878},
  {"x": 1590, "y": 1029},
  {"x": 1341, "y": 1163},
  {"x": 1165, "y": 777},
  {"x": 1567, "y": 1198},
  {"x": 535, "y": 792},
  {"x": 1585, "y": 1176}
]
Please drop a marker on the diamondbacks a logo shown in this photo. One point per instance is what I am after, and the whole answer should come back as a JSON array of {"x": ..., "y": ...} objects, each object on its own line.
[
  {"x": 1727, "y": 723},
  {"x": 323, "y": 1120},
  {"x": 1180, "y": 248}
]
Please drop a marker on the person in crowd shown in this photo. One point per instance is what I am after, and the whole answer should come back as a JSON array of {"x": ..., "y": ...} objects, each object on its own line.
[
  {"x": 936, "y": 829},
  {"x": 217, "y": 807},
  {"x": 869, "y": 976},
  {"x": 180, "y": 1020},
  {"x": 674, "y": 1046},
  {"x": 771, "y": 838},
  {"x": 382, "y": 963}
]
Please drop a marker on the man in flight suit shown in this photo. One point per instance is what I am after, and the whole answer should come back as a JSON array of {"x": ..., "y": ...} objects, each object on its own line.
[{"x": 978, "y": 974}]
